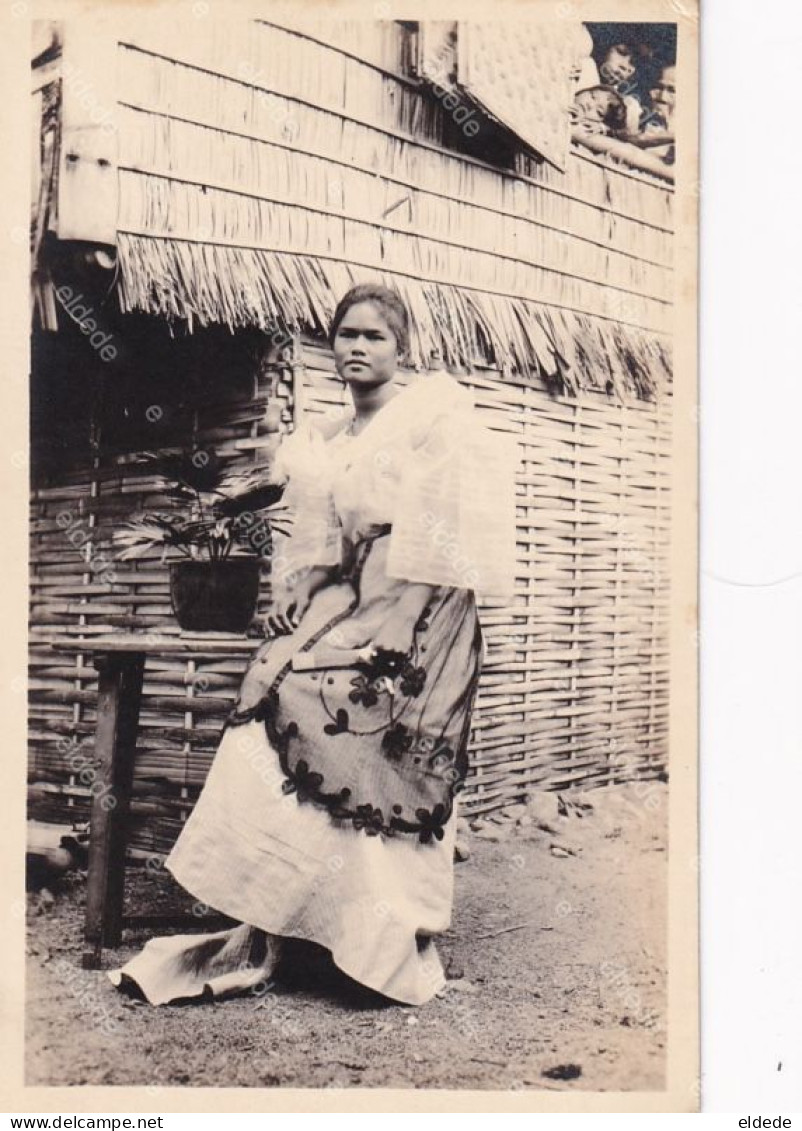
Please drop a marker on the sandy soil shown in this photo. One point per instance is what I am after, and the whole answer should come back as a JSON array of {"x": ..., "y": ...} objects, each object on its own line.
[{"x": 556, "y": 961}]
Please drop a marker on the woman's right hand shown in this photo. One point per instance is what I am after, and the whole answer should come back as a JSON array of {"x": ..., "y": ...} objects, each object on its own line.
[
  {"x": 291, "y": 602},
  {"x": 289, "y": 605}
]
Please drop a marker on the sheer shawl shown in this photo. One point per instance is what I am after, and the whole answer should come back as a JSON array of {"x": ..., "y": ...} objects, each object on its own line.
[
  {"x": 454, "y": 520},
  {"x": 445, "y": 482}
]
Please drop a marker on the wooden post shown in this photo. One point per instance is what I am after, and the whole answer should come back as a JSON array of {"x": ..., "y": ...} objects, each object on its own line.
[
  {"x": 297, "y": 367},
  {"x": 119, "y": 694},
  {"x": 88, "y": 193}
]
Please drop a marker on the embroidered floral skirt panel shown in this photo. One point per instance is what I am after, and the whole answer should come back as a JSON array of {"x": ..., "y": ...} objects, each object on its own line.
[{"x": 328, "y": 812}]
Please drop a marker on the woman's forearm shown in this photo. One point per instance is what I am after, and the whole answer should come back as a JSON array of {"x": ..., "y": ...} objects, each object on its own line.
[
  {"x": 414, "y": 600},
  {"x": 646, "y": 141},
  {"x": 317, "y": 577}
]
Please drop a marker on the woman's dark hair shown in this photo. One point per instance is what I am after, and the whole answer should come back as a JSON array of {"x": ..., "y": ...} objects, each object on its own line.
[{"x": 392, "y": 309}]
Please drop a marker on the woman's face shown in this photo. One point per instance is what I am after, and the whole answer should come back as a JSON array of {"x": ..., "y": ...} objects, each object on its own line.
[{"x": 365, "y": 347}]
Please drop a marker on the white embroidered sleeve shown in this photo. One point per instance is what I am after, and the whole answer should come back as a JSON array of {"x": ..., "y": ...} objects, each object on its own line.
[{"x": 315, "y": 537}]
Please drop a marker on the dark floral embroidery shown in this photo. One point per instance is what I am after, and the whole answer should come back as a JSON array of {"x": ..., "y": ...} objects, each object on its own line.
[
  {"x": 340, "y": 725},
  {"x": 363, "y": 692},
  {"x": 370, "y": 819},
  {"x": 431, "y": 823},
  {"x": 433, "y": 755},
  {"x": 307, "y": 782},
  {"x": 442, "y": 758},
  {"x": 396, "y": 741},
  {"x": 338, "y": 804},
  {"x": 413, "y": 680}
]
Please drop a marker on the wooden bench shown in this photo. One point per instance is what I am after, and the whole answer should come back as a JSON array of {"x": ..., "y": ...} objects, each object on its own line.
[{"x": 120, "y": 661}]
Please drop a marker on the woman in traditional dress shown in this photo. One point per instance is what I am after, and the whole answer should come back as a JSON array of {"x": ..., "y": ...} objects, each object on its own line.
[{"x": 329, "y": 811}]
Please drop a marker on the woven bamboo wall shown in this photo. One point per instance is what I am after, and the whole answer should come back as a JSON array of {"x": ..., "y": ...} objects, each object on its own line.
[{"x": 575, "y": 690}]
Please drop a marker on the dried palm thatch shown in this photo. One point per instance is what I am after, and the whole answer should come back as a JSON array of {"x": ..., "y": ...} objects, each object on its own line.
[{"x": 205, "y": 283}]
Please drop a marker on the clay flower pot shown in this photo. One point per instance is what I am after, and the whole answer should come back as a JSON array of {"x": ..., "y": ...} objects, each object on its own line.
[{"x": 216, "y": 596}]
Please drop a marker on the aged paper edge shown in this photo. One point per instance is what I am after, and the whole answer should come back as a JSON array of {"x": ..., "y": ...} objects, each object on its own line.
[{"x": 682, "y": 1081}]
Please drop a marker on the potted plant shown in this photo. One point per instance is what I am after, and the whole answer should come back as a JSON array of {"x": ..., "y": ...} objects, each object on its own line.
[{"x": 220, "y": 525}]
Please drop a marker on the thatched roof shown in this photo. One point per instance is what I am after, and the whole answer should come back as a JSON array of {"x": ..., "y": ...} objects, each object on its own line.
[
  {"x": 258, "y": 174},
  {"x": 203, "y": 283}
]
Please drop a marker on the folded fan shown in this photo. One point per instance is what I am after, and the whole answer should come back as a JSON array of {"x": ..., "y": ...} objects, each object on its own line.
[{"x": 331, "y": 658}]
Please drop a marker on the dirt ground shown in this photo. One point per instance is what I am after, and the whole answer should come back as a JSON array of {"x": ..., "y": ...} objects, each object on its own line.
[{"x": 556, "y": 963}]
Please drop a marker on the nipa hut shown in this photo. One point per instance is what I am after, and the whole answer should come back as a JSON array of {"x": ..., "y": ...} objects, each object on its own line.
[{"x": 207, "y": 194}]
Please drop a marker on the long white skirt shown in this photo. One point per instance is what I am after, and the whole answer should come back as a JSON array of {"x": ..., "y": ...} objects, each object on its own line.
[{"x": 284, "y": 867}]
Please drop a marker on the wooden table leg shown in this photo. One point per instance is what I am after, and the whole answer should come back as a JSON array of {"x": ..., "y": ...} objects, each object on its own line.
[{"x": 119, "y": 694}]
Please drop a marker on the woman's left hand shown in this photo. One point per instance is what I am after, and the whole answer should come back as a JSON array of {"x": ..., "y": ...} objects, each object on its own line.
[{"x": 396, "y": 633}]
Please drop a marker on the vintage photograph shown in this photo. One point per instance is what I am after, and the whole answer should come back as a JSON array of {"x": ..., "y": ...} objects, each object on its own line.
[{"x": 351, "y": 486}]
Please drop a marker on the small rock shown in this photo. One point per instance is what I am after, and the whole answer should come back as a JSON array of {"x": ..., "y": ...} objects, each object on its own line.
[
  {"x": 44, "y": 901},
  {"x": 535, "y": 835},
  {"x": 575, "y": 805},
  {"x": 562, "y": 1072},
  {"x": 560, "y": 852},
  {"x": 543, "y": 807},
  {"x": 461, "y": 851},
  {"x": 455, "y": 969},
  {"x": 488, "y": 834},
  {"x": 462, "y": 986},
  {"x": 412, "y": 1021}
]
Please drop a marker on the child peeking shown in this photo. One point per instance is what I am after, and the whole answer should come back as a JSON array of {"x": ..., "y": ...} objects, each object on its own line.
[
  {"x": 617, "y": 72},
  {"x": 599, "y": 110}
]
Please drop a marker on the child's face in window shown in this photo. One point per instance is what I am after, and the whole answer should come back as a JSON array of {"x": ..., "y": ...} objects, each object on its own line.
[
  {"x": 664, "y": 93},
  {"x": 617, "y": 66},
  {"x": 592, "y": 105}
]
